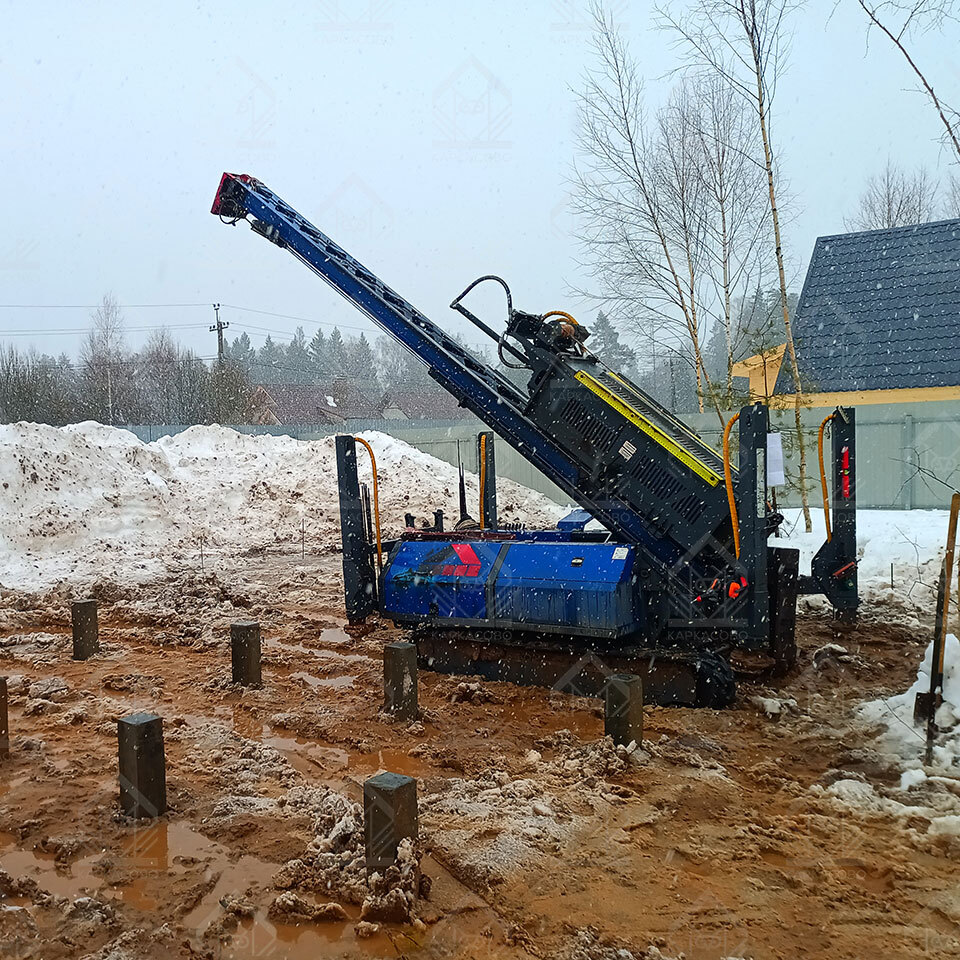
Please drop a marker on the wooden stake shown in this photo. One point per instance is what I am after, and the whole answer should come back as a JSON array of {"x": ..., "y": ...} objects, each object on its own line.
[
  {"x": 943, "y": 626},
  {"x": 86, "y": 630}
]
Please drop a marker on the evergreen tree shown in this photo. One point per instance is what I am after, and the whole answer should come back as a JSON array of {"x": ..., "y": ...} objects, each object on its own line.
[
  {"x": 242, "y": 354},
  {"x": 269, "y": 367},
  {"x": 318, "y": 356},
  {"x": 298, "y": 363},
  {"x": 336, "y": 353},
  {"x": 604, "y": 341},
  {"x": 361, "y": 367}
]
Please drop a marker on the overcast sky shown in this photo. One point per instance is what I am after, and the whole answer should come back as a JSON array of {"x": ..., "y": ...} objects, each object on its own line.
[{"x": 432, "y": 140}]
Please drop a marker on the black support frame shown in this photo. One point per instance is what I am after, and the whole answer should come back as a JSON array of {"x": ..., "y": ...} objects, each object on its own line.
[
  {"x": 487, "y": 462},
  {"x": 359, "y": 578}
]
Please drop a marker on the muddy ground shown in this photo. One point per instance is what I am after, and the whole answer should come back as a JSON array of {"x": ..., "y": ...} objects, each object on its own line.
[{"x": 718, "y": 838}]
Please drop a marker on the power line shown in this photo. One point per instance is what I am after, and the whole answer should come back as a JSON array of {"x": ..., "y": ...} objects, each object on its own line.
[
  {"x": 256, "y": 330},
  {"x": 171, "y": 306},
  {"x": 129, "y": 362},
  {"x": 143, "y": 306},
  {"x": 143, "y": 328},
  {"x": 91, "y": 306},
  {"x": 287, "y": 316},
  {"x": 138, "y": 329}
]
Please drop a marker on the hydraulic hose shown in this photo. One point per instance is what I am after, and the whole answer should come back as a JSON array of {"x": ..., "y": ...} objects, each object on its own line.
[
  {"x": 376, "y": 500},
  {"x": 580, "y": 348},
  {"x": 728, "y": 480},
  {"x": 560, "y": 313},
  {"x": 483, "y": 474},
  {"x": 823, "y": 477}
]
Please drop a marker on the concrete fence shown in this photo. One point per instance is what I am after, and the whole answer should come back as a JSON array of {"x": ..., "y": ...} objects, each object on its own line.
[
  {"x": 450, "y": 440},
  {"x": 908, "y": 454}
]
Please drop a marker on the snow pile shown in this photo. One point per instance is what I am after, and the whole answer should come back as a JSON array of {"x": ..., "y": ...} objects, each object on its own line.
[
  {"x": 88, "y": 501},
  {"x": 912, "y": 540},
  {"x": 333, "y": 864}
]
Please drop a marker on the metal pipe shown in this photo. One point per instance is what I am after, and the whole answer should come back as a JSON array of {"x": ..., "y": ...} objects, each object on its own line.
[
  {"x": 483, "y": 473},
  {"x": 455, "y": 304}
]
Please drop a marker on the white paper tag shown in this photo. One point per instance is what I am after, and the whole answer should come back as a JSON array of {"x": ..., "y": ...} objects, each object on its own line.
[
  {"x": 761, "y": 483},
  {"x": 620, "y": 553},
  {"x": 775, "y": 474}
]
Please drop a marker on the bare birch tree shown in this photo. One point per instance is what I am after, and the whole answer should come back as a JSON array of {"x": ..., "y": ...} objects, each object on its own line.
[
  {"x": 951, "y": 207},
  {"x": 895, "y": 198},
  {"x": 679, "y": 190},
  {"x": 736, "y": 211},
  {"x": 953, "y": 199},
  {"x": 745, "y": 43},
  {"x": 900, "y": 21},
  {"x": 157, "y": 375},
  {"x": 644, "y": 205},
  {"x": 103, "y": 357}
]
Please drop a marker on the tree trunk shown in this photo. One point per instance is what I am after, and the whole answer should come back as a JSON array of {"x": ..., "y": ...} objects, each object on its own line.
[
  {"x": 727, "y": 306},
  {"x": 787, "y": 326}
]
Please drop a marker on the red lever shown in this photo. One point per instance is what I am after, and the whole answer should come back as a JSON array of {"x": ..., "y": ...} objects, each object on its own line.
[{"x": 733, "y": 591}]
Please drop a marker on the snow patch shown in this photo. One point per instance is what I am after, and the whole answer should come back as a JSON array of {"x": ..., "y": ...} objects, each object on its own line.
[{"x": 901, "y": 737}]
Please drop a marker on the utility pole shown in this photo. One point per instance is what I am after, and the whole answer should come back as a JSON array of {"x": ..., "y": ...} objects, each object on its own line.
[{"x": 219, "y": 326}]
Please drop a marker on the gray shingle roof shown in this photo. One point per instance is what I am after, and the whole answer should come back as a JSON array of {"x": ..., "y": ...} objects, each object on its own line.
[{"x": 880, "y": 310}]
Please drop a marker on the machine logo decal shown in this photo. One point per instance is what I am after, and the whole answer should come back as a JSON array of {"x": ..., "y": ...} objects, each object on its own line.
[{"x": 469, "y": 565}]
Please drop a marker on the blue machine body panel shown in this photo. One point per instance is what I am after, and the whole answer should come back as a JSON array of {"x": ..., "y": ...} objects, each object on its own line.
[
  {"x": 427, "y": 578},
  {"x": 580, "y": 588},
  {"x": 587, "y": 587},
  {"x": 575, "y": 520}
]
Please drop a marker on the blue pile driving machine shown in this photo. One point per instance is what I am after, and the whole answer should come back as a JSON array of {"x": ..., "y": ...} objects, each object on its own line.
[{"x": 676, "y": 579}]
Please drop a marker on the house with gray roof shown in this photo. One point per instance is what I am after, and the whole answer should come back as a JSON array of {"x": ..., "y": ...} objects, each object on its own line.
[{"x": 878, "y": 321}]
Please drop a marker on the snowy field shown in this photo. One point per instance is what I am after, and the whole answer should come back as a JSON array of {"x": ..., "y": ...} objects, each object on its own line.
[
  {"x": 909, "y": 544},
  {"x": 89, "y": 501}
]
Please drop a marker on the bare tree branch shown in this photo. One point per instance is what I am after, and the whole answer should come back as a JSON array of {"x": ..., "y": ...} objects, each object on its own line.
[
  {"x": 895, "y": 198},
  {"x": 898, "y": 21},
  {"x": 672, "y": 206}
]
